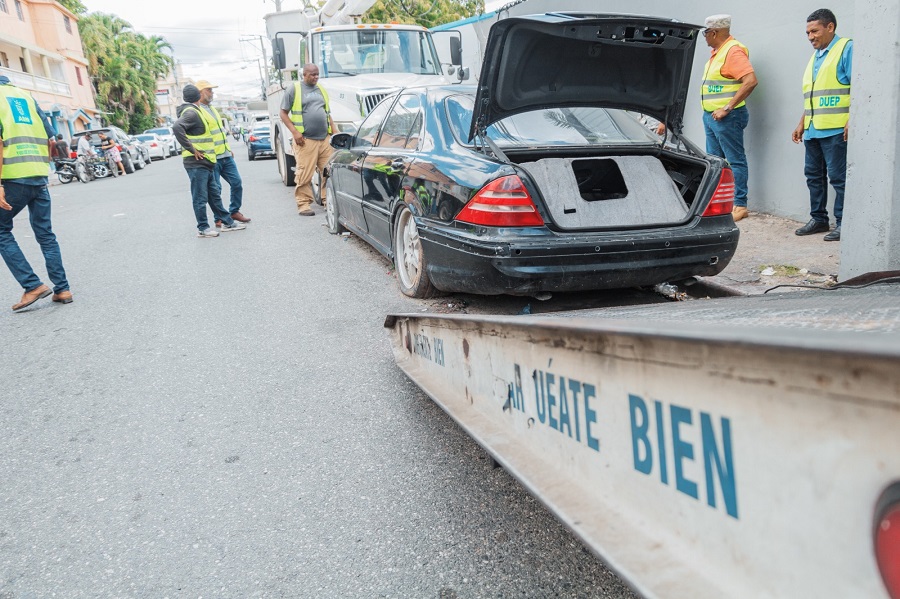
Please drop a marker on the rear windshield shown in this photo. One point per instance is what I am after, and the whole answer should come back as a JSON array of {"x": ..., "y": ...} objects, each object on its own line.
[
  {"x": 145, "y": 137},
  {"x": 159, "y": 131},
  {"x": 553, "y": 126}
]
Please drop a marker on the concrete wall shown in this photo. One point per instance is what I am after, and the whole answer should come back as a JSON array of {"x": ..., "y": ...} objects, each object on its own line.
[{"x": 870, "y": 239}]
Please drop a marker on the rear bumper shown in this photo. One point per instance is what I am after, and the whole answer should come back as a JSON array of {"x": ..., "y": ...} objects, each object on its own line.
[{"x": 518, "y": 264}]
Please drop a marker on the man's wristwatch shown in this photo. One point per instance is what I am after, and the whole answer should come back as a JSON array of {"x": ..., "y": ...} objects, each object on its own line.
[{"x": 726, "y": 108}]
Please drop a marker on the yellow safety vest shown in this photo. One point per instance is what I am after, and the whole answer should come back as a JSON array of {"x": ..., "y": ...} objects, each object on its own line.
[
  {"x": 25, "y": 149},
  {"x": 716, "y": 91},
  {"x": 219, "y": 135},
  {"x": 826, "y": 100},
  {"x": 205, "y": 141},
  {"x": 297, "y": 107}
]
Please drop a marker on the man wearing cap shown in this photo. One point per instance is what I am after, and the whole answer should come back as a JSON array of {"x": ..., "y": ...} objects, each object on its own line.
[
  {"x": 306, "y": 114},
  {"x": 195, "y": 130},
  {"x": 728, "y": 79},
  {"x": 825, "y": 123},
  {"x": 25, "y": 134},
  {"x": 226, "y": 168}
]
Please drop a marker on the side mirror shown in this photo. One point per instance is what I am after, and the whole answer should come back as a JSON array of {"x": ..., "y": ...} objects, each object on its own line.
[
  {"x": 456, "y": 50},
  {"x": 341, "y": 141},
  {"x": 278, "y": 58}
]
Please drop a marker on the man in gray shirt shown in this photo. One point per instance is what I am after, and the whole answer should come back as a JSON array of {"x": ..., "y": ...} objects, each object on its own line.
[{"x": 305, "y": 112}]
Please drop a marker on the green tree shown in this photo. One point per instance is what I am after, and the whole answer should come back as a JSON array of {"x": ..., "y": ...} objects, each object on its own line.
[
  {"x": 126, "y": 66},
  {"x": 74, "y": 5},
  {"x": 428, "y": 13}
]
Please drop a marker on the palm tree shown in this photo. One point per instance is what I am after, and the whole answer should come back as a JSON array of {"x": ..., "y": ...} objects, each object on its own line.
[{"x": 126, "y": 66}]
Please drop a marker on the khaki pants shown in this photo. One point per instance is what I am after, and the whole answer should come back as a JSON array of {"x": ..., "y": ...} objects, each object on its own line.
[{"x": 311, "y": 157}]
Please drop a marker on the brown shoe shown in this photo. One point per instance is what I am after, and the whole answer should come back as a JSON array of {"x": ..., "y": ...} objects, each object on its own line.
[
  {"x": 306, "y": 212},
  {"x": 240, "y": 218},
  {"x": 29, "y": 297},
  {"x": 218, "y": 224},
  {"x": 63, "y": 297},
  {"x": 739, "y": 213}
]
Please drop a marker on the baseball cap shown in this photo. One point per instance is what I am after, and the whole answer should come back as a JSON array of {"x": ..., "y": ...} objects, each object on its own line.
[{"x": 204, "y": 84}]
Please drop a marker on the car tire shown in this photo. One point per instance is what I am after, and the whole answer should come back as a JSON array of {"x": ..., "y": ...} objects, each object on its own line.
[
  {"x": 286, "y": 163},
  {"x": 332, "y": 214},
  {"x": 409, "y": 258},
  {"x": 128, "y": 163},
  {"x": 316, "y": 188},
  {"x": 250, "y": 156},
  {"x": 140, "y": 164}
]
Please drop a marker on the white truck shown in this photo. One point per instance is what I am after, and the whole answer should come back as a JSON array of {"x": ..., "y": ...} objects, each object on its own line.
[{"x": 359, "y": 64}]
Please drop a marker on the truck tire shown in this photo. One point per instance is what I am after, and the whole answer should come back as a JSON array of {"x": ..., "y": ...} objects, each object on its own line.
[{"x": 286, "y": 164}]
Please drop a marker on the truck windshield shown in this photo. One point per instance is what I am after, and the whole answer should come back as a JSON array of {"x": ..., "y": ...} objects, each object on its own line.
[{"x": 343, "y": 53}]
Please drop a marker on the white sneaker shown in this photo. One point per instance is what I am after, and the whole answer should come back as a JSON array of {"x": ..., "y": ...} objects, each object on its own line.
[
  {"x": 208, "y": 232},
  {"x": 235, "y": 226}
]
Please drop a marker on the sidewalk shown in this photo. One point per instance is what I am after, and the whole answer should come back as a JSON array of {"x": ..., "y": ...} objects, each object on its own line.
[{"x": 769, "y": 254}]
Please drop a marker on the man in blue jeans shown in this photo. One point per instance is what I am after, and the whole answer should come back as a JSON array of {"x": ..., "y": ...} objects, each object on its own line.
[
  {"x": 25, "y": 132},
  {"x": 226, "y": 168},
  {"x": 825, "y": 123},
  {"x": 195, "y": 130},
  {"x": 728, "y": 79}
]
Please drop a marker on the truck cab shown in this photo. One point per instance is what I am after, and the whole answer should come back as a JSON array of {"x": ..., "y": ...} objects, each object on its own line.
[{"x": 359, "y": 65}]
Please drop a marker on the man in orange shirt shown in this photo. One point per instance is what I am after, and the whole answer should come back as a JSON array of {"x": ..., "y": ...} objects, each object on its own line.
[{"x": 728, "y": 79}]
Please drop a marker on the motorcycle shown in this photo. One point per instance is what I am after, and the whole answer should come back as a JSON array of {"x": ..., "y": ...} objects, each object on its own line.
[{"x": 67, "y": 170}]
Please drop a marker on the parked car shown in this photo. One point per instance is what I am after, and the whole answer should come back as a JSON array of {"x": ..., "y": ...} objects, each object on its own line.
[
  {"x": 132, "y": 156},
  {"x": 156, "y": 146},
  {"x": 258, "y": 143},
  {"x": 143, "y": 148},
  {"x": 541, "y": 178},
  {"x": 168, "y": 136}
]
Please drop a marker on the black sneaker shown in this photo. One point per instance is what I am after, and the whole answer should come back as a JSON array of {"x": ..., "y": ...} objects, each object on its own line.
[
  {"x": 834, "y": 235},
  {"x": 813, "y": 226}
]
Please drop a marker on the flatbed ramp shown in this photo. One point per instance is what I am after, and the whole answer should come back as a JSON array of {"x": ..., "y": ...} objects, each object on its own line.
[{"x": 739, "y": 447}]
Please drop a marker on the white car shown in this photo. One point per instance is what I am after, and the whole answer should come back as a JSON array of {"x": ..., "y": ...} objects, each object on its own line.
[
  {"x": 168, "y": 136},
  {"x": 155, "y": 144}
]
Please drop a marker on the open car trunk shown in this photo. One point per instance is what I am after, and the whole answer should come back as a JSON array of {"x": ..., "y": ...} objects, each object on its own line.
[{"x": 619, "y": 191}]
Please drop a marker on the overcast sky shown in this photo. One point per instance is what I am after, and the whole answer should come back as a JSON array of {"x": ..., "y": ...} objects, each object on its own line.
[{"x": 206, "y": 36}]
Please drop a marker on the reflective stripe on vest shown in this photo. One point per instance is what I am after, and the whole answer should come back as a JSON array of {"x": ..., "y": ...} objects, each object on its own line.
[
  {"x": 297, "y": 107},
  {"x": 219, "y": 135},
  {"x": 716, "y": 90},
  {"x": 25, "y": 149},
  {"x": 826, "y": 101},
  {"x": 205, "y": 141}
]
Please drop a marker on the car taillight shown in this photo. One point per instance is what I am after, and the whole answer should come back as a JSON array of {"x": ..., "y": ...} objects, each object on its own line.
[
  {"x": 887, "y": 549},
  {"x": 152, "y": 144},
  {"x": 722, "y": 201},
  {"x": 503, "y": 202},
  {"x": 254, "y": 138}
]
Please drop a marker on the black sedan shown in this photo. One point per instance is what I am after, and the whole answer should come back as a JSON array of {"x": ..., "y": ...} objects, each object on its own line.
[{"x": 543, "y": 178}]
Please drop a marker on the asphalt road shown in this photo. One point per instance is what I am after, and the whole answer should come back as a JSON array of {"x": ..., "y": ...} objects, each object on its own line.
[{"x": 223, "y": 418}]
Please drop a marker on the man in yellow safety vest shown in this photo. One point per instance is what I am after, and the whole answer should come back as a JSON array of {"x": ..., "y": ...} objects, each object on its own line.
[
  {"x": 25, "y": 135},
  {"x": 194, "y": 130},
  {"x": 728, "y": 79},
  {"x": 305, "y": 112},
  {"x": 825, "y": 123}
]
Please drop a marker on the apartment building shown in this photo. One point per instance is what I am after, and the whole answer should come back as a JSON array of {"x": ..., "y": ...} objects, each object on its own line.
[{"x": 40, "y": 51}]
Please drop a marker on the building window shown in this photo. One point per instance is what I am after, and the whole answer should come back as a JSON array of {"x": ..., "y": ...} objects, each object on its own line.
[
  {"x": 68, "y": 23},
  {"x": 22, "y": 62},
  {"x": 3, "y": 6},
  {"x": 19, "y": 10},
  {"x": 4, "y": 60},
  {"x": 78, "y": 75}
]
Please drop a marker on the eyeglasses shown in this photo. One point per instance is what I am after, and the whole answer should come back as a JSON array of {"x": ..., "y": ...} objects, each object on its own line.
[{"x": 706, "y": 32}]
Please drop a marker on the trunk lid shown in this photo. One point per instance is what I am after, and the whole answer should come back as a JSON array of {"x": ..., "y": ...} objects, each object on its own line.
[{"x": 561, "y": 60}]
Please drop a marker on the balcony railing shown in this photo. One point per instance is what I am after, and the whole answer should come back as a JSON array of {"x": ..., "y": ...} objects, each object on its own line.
[{"x": 35, "y": 83}]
